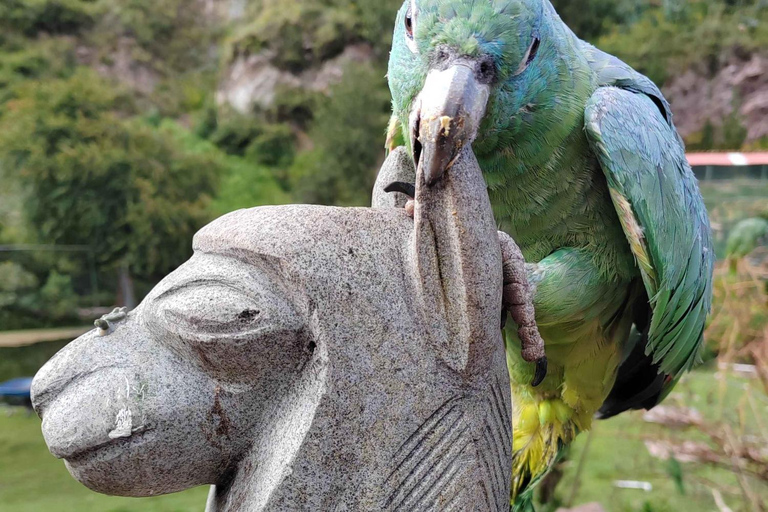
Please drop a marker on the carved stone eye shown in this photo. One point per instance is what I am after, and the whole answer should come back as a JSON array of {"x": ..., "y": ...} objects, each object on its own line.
[{"x": 212, "y": 311}]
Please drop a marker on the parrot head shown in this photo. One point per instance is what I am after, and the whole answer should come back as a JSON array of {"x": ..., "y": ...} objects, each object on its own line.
[{"x": 462, "y": 70}]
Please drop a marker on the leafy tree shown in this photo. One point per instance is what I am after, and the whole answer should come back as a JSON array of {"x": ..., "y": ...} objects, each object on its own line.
[
  {"x": 31, "y": 17},
  {"x": 348, "y": 134},
  {"x": 57, "y": 296},
  {"x": 93, "y": 176},
  {"x": 16, "y": 284},
  {"x": 591, "y": 18}
]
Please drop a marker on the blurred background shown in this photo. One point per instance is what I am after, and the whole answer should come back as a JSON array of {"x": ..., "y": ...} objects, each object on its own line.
[{"x": 126, "y": 125}]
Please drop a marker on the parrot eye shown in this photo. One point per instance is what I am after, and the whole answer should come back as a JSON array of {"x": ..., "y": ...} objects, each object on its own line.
[
  {"x": 530, "y": 55},
  {"x": 409, "y": 23},
  {"x": 533, "y": 50},
  {"x": 411, "y": 16}
]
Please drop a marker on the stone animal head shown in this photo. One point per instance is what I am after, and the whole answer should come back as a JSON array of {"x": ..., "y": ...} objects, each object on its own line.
[{"x": 304, "y": 358}]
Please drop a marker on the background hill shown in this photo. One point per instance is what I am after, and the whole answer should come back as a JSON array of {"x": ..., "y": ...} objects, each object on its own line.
[{"x": 125, "y": 125}]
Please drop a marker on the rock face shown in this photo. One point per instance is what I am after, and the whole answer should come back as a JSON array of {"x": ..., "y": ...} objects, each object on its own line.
[
  {"x": 741, "y": 85},
  {"x": 305, "y": 358},
  {"x": 253, "y": 80}
]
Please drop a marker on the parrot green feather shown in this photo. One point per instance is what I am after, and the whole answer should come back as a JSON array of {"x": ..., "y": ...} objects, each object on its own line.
[{"x": 587, "y": 173}]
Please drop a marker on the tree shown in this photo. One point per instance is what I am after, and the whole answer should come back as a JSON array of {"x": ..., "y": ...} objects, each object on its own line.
[
  {"x": 348, "y": 136},
  {"x": 591, "y": 18},
  {"x": 94, "y": 175}
]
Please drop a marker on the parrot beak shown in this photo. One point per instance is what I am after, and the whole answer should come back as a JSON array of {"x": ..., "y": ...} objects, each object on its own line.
[{"x": 445, "y": 118}]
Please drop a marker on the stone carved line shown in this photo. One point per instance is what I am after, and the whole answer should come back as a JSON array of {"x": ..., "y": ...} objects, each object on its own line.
[
  {"x": 428, "y": 461},
  {"x": 289, "y": 458},
  {"x": 445, "y": 447},
  {"x": 497, "y": 442}
]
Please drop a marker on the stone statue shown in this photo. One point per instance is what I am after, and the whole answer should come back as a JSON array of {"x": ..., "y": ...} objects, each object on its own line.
[{"x": 305, "y": 358}]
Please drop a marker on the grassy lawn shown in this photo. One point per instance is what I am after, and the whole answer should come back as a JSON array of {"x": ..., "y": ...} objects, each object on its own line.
[
  {"x": 618, "y": 452},
  {"x": 32, "y": 480}
]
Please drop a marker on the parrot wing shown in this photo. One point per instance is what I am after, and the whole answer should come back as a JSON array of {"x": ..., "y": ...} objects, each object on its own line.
[{"x": 661, "y": 211}]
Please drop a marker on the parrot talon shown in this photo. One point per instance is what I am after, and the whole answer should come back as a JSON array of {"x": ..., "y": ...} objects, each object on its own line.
[
  {"x": 409, "y": 189},
  {"x": 541, "y": 371}
]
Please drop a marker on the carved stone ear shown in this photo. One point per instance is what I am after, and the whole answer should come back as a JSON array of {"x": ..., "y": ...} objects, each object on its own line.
[{"x": 397, "y": 168}]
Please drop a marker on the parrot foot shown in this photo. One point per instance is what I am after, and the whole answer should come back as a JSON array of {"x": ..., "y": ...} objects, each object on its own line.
[{"x": 517, "y": 299}]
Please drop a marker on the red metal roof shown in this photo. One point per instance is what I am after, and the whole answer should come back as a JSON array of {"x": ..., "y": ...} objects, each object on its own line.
[{"x": 727, "y": 159}]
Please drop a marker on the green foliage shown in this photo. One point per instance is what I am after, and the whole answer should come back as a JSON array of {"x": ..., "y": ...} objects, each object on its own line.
[
  {"x": 273, "y": 147},
  {"x": 57, "y": 296},
  {"x": 21, "y": 61},
  {"x": 94, "y": 178},
  {"x": 246, "y": 185},
  {"x": 31, "y": 17},
  {"x": 348, "y": 136},
  {"x": 16, "y": 284},
  {"x": 300, "y": 33},
  {"x": 591, "y": 18},
  {"x": 241, "y": 183},
  {"x": 304, "y": 33},
  {"x": 675, "y": 472},
  {"x": 698, "y": 33},
  {"x": 730, "y": 136},
  {"x": 26, "y": 304},
  {"x": 174, "y": 35},
  {"x": 293, "y": 105},
  {"x": 236, "y": 132}
]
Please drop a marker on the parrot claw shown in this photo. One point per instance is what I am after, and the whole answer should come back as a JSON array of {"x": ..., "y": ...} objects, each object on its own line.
[
  {"x": 409, "y": 189},
  {"x": 541, "y": 371}
]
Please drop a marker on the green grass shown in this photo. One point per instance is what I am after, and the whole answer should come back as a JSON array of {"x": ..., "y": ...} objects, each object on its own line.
[
  {"x": 32, "y": 480},
  {"x": 618, "y": 452}
]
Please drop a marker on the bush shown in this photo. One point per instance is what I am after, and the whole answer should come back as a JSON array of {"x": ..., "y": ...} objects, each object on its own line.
[
  {"x": 348, "y": 136},
  {"x": 97, "y": 178},
  {"x": 699, "y": 34},
  {"x": 57, "y": 296},
  {"x": 274, "y": 147},
  {"x": 31, "y": 17}
]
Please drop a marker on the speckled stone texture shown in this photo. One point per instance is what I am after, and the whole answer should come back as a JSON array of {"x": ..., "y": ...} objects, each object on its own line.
[{"x": 306, "y": 358}]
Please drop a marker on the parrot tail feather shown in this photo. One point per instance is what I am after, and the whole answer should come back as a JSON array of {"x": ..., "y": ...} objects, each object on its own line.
[{"x": 532, "y": 460}]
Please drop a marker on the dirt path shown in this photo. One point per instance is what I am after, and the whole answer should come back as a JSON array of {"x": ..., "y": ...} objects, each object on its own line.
[{"x": 30, "y": 337}]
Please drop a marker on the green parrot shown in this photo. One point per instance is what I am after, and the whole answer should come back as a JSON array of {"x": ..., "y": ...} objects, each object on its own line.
[
  {"x": 588, "y": 174},
  {"x": 746, "y": 236}
]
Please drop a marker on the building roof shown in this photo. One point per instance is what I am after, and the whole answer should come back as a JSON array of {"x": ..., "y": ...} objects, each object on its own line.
[{"x": 727, "y": 159}]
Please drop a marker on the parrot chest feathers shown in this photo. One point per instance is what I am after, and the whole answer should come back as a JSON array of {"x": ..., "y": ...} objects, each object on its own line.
[{"x": 564, "y": 202}]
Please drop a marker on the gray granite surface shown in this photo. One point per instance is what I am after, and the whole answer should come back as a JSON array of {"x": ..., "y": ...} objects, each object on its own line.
[{"x": 306, "y": 358}]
